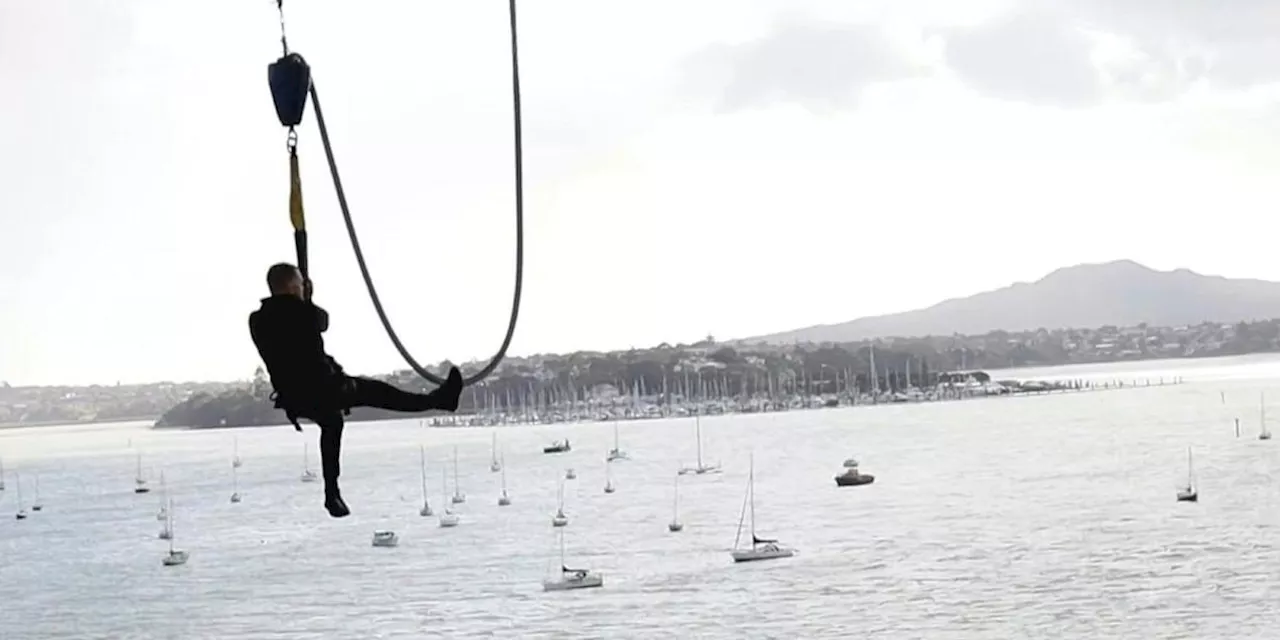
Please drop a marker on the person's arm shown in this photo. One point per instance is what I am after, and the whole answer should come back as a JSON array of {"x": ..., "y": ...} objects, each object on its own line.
[{"x": 322, "y": 317}]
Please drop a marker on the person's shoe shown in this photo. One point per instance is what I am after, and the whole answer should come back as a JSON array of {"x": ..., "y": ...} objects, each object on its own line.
[
  {"x": 447, "y": 395},
  {"x": 334, "y": 504}
]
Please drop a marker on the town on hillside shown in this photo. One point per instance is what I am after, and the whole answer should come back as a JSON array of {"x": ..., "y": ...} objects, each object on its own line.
[{"x": 760, "y": 375}]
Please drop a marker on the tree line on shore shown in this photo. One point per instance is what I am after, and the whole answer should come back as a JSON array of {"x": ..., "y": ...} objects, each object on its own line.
[{"x": 704, "y": 370}]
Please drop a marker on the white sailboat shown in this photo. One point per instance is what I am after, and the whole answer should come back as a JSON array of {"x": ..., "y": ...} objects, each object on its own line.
[
  {"x": 235, "y": 482},
  {"x": 162, "y": 514},
  {"x": 504, "y": 500},
  {"x": 447, "y": 517},
  {"x": 1189, "y": 493},
  {"x": 761, "y": 548},
  {"x": 235, "y": 453},
  {"x": 458, "y": 496},
  {"x": 425, "y": 511},
  {"x": 702, "y": 467},
  {"x": 1263, "y": 434},
  {"x": 37, "y": 505},
  {"x": 139, "y": 482},
  {"x": 675, "y": 525},
  {"x": 570, "y": 579},
  {"x": 176, "y": 556},
  {"x": 307, "y": 474},
  {"x": 494, "y": 465},
  {"x": 608, "y": 478},
  {"x": 616, "y": 453},
  {"x": 385, "y": 538},
  {"x": 22, "y": 513},
  {"x": 560, "y": 519}
]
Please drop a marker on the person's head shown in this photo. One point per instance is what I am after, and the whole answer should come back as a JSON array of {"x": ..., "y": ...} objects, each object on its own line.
[{"x": 285, "y": 279}]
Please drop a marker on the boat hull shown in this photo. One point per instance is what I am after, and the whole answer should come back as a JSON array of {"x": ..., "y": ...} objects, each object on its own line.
[
  {"x": 854, "y": 481},
  {"x": 591, "y": 581},
  {"x": 756, "y": 555}
]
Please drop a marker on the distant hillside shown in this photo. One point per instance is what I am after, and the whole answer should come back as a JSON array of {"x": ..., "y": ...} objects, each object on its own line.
[{"x": 1121, "y": 293}]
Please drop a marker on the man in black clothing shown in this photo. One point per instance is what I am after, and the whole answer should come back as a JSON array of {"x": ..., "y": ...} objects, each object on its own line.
[{"x": 310, "y": 384}]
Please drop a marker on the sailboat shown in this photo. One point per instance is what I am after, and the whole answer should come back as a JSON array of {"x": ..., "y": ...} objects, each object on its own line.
[
  {"x": 560, "y": 519},
  {"x": 235, "y": 482},
  {"x": 761, "y": 548},
  {"x": 22, "y": 513},
  {"x": 1263, "y": 434},
  {"x": 425, "y": 511},
  {"x": 447, "y": 517},
  {"x": 570, "y": 579},
  {"x": 675, "y": 525},
  {"x": 162, "y": 514},
  {"x": 139, "y": 482},
  {"x": 701, "y": 468},
  {"x": 37, "y": 505},
  {"x": 616, "y": 453},
  {"x": 504, "y": 499},
  {"x": 307, "y": 474},
  {"x": 1189, "y": 492},
  {"x": 235, "y": 453},
  {"x": 608, "y": 478},
  {"x": 458, "y": 496},
  {"x": 494, "y": 465},
  {"x": 175, "y": 556},
  {"x": 166, "y": 532}
]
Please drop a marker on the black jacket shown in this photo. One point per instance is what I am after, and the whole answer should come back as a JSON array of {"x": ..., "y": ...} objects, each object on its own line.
[{"x": 286, "y": 330}]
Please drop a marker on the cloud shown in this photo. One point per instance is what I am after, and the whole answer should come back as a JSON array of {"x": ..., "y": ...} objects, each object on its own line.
[
  {"x": 819, "y": 66},
  {"x": 1078, "y": 52},
  {"x": 1027, "y": 56}
]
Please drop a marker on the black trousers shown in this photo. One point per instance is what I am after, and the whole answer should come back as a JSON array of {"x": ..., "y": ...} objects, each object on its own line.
[{"x": 362, "y": 392}]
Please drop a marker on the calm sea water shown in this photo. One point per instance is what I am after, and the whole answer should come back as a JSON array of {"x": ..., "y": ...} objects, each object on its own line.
[{"x": 1038, "y": 517}]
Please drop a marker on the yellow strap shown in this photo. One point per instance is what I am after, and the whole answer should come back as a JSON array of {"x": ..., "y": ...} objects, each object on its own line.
[{"x": 295, "y": 194}]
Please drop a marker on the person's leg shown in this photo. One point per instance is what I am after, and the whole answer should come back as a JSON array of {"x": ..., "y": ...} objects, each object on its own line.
[
  {"x": 331, "y": 426},
  {"x": 366, "y": 392}
]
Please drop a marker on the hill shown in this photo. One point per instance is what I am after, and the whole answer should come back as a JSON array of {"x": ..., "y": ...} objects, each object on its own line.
[{"x": 1121, "y": 293}]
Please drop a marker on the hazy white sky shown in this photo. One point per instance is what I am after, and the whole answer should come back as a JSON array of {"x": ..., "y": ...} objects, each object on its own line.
[{"x": 726, "y": 166}]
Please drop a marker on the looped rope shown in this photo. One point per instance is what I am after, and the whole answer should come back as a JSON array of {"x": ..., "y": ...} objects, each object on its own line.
[{"x": 300, "y": 233}]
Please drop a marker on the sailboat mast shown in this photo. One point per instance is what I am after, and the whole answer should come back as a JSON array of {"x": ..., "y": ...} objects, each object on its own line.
[
  {"x": 675, "y": 501},
  {"x": 169, "y": 514},
  {"x": 616, "y": 446},
  {"x": 1262, "y": 410},
  {"x": 561, "y": 532},
  {"x": 751, "y": 491},
  {"x": 455, "y": 470},
  {"x": 697, "y": 429},
  {"x": 422, "y": 464}
]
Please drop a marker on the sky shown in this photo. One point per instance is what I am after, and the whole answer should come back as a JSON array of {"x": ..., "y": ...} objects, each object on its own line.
[{"x": 723, "y": 167}]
